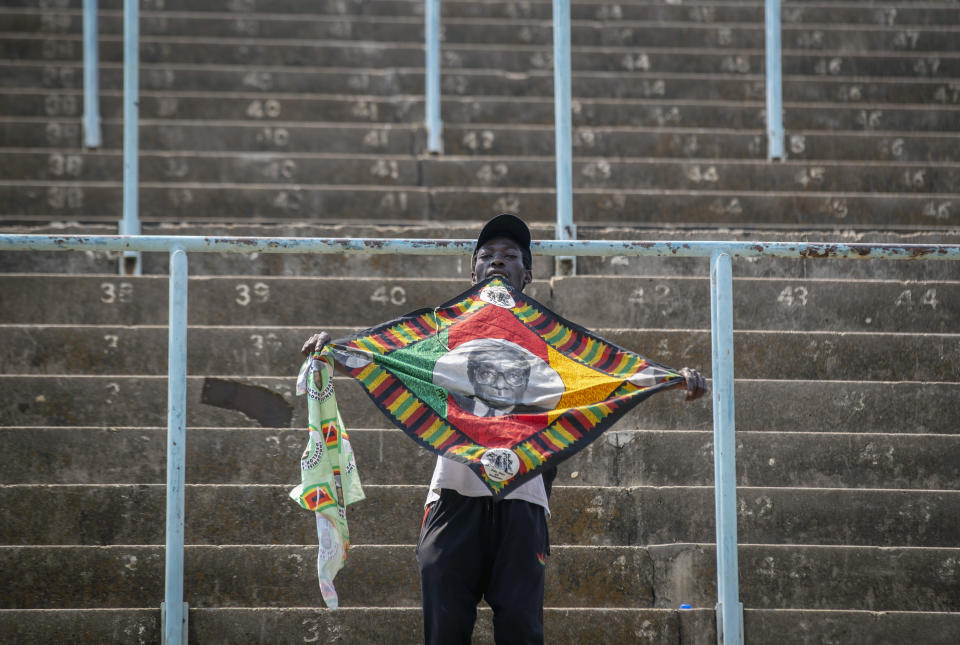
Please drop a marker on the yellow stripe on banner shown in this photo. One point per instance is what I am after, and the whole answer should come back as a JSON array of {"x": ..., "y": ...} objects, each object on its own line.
[
  {"x": 470, "y": 451},
  {"x": 404, "y": 409},
  {"x": 427, "y": 435},
  {"x": 443, "y": 437},
  {"x": 558, "y": 335},
  {"x": 589, "y": 412},
  {"x": 397, "y": 402},
  {"x": 409, "y": 412},
  {"x": 620, "y": 367},
  {"x": 563, "y": 433},
  {"x": 366, "y": 371},
  {"x": 552, "y": 439},
  {"x": 375, "y": 383},
  {"x": 539, "y": 456},
  {"x": 381, "y": 349},
  {"x": 524, "y": 457},
  {"x": 556, "y": 438}
]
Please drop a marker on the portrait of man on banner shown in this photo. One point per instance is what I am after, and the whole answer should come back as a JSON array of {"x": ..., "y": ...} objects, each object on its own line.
[{"x": 491, "y": 377}]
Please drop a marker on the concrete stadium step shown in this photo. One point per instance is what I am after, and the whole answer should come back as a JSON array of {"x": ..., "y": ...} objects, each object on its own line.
[
  {"x": 266, "y": 351},
  {"x": 285, "y": 576},
  {"x": 389, "y": 266},
  {"x": 858, "y": 578},
  {"x": 65, "y": 75},
  {"x": 64, "y": 137},
  {"x": 50, "y": 201},
  {"x": 624, "y": 301},
  {"x": 253, "y": 456},
  {"x": 515, "y": 58},
  {"x": 581, "y": 515},
  {"x": 268, "y": 167},
  {"x": 403, "y": 625},
  {"x": 496, "y": 172},
  {"x": 640, "y": 173},
  {"x": 879, "y": 13},
  {"x": 800, "y": 406},
  {"x": 505, "y": 31},
  {"x": 476, "y": 110}
]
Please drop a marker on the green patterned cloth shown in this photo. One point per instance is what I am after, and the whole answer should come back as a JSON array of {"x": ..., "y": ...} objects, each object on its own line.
[{"x": 329, "y": 481}]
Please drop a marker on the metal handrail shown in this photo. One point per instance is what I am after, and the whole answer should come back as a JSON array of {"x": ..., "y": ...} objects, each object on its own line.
[
  {"x": 91, "y": 77},
  {"x": 774, "y": 79},
  {"x": 729, "y": 608}
]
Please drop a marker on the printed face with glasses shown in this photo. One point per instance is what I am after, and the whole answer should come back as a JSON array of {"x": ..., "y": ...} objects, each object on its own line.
[{"x": 499, "y": 378}]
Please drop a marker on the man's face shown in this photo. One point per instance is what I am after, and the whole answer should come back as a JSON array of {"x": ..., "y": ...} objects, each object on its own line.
[
  {"x": 501, "y": 256},
  {"x": 499, "y": 378}
]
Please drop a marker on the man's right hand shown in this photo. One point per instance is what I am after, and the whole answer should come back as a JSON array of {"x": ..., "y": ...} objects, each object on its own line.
[{"x": 315, "y": 343}]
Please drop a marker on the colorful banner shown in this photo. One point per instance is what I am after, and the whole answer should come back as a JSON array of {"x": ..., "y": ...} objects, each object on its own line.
[
  {"x": 497, "y": 381},
  {"x": 329, "y": 481}
]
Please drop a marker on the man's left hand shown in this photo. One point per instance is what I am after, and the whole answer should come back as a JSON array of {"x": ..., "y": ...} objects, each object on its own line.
[{"x": 695, "y": 384}]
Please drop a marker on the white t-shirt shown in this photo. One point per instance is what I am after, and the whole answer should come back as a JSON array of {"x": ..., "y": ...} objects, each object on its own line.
[{"x": 456, "y": 476}]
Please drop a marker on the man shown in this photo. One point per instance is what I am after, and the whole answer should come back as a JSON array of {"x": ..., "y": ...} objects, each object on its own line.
[{"x": 471, "y": 546}]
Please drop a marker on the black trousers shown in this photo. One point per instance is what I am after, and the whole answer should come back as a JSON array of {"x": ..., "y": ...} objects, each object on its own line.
[{"x": 472, "y": 548}]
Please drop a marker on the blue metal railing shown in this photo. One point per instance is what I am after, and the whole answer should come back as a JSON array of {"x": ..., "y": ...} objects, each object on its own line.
[
  {"x": 91, "y": 77},
  {"x": 434, "y": 123},
  {"x": 130, "y": 225},
  {"x": 774, "y": 80},
  {"x": 729, "y": 608},
  {"x": 563, "y": 130}
]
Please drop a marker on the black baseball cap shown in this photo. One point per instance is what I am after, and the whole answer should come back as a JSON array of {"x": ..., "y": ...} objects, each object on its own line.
[{"x": 505, "y": 225}]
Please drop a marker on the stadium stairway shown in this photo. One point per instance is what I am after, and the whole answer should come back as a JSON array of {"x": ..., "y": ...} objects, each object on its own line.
[{"x": 283, "y": 118}]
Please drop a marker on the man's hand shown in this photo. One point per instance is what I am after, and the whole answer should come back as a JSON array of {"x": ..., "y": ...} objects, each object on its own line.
[
  {"x": 315, "y": 343},
  {"x": 695, "y": 384}
]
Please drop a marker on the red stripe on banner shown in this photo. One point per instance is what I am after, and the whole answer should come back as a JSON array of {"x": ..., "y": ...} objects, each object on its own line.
[
  {"x": 548, "y": 328},
  {"x": 543, "y": 447},
  {"x": 420, "y": 418},
  {"x": 455, "y": 439},
  {"x": 388, "y": 339},
  {"x": 565, "y": 423},
  {"x": 384, "y": 386},
  {"x": 573, "y": 341},
  {"x": 579, "y": 418},
  {"x": 419, "y": 326},
  {"x": 395, "y": 338},
  {"x": 389, "y": 396},
  {"x": 606, "y": 356}
]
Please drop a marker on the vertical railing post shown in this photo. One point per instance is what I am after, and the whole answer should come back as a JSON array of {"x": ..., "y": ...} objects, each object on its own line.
[
  {"x": 432, "y": 80},
  {"x": 91, "y": 77},
  {"x": 174, "y": 610},
  {"x": 729, "y": 608},
  {"x": 130, "y": 225},
  {"x": 565, "y": 230},
  {"x": 774, "y": 80}
]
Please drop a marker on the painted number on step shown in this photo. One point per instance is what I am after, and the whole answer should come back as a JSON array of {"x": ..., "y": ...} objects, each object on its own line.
[
  {"x": 937, "y": 210},
  {"x": 258, "y": 292},
  {"x": 927, "y": 299},
  {"x": 278, "y": 137},
  {"x": 312, "y": 626},
  {"x": 641, "y": 296},
  {"x": 793, "y": 297},
  {"x": 116, "y": 292},
  {"x": 65, "y": 165},
  {"x": 384, "y": 295},
  {"x": 266, "y": 109}
]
